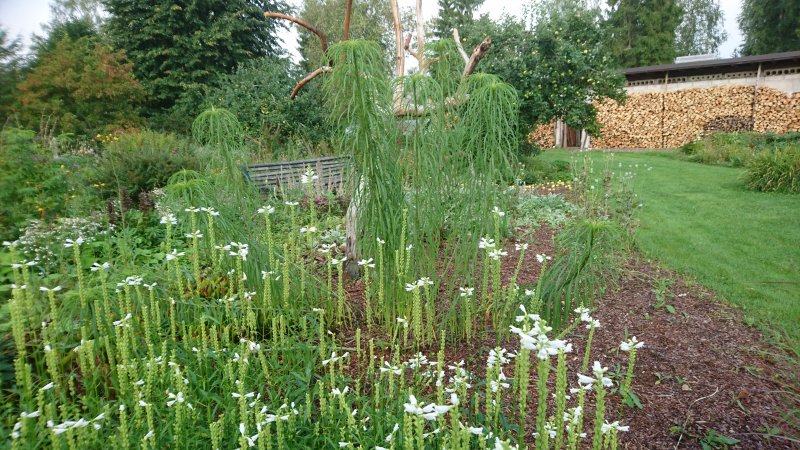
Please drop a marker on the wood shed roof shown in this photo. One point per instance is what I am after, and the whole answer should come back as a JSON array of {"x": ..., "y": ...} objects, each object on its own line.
[{"x": 745, "y": 63}]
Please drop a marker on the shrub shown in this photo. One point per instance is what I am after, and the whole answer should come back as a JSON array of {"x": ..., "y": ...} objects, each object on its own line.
[
  {"x": 551, "y": 209},
  {"x": 776, "y": 170},
  {"x": 31, "y": 183},
  {"x": 535, "y": 170},
  {"x": 735, "y": 149},
  {"x": 140, "y": 162}
]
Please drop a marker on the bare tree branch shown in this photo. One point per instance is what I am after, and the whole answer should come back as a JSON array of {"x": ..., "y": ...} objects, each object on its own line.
[
  {"x": 407, "y": 47},
  {"x": 420, "y": 37},
  {"x": 457, "y": 38},
  {"x": 323, "y": 41},
  {"x": 400, "y": 56},
  {"x": 308, "y": 78},
  {"x": 478, "y": 53},
  {"x": 348, "y": 11}
]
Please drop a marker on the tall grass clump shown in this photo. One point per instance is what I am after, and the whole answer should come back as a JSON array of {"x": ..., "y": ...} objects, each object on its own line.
[
  {"x": 776, "y": 170},
  {"x": 589, "y": 256}
]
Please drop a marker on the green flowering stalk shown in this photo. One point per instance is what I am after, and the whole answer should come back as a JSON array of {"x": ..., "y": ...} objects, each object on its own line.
[
  {"x": 629, "y": 346},
  {"x": 340, "y": 297},
  {"x": 521, "y": 380},
  {"x": 367, "y": 264},
  {"x": 561, "y": 398},
  {"x": 76, "y": 255},
  {"x": 381, "y": 283},
  {"x": 267, "y": 212},
  {"x": 600, "y": 383},
  {"x": 466, "y": 294}
]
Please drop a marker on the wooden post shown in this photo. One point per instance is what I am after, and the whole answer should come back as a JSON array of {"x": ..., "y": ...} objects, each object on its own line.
[
  {"x": 664, "y": 109},
  {"x": 755, "y": 99}
]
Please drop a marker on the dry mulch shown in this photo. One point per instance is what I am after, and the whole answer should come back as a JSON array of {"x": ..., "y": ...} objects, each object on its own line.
[{"x": 702, "y": 370}]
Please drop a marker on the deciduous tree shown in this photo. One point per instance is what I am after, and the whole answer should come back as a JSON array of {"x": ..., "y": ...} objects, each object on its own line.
[
  {"x": 701, "y": 30},
  {"x": 84, "y": 85}
]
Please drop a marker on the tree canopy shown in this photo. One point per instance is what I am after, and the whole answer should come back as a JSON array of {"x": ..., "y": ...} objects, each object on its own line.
[
  {"x": 370, "y": 20},
  {"x": 643, "y": 32},
  {"x": 701, "y": 31},
  {"x": 454, "y": 14},
  {"x": 83, "y": 86},
  {"x": 770, "y": 26},
  {"x": 180, "y": 48}
]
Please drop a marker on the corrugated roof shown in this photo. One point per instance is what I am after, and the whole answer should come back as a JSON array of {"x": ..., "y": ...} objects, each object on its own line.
[{"x": 716, "y": 65}]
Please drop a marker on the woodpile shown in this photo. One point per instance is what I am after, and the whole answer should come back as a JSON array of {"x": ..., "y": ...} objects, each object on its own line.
[
  {"x": 544, "y": 136},
  {"x": 728, "y": 124},
  {"x": 668, "y": 120}
]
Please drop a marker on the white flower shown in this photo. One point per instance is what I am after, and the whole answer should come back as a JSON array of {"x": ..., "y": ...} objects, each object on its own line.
[
  {"x": 475, "y": 430},
  {"x": 424, "y": 281},
  {"x": 337, "y": 261},
  {"x": 48, "y": 386},
  {"x": 593, "y": 324},
  {"x": 97, "y": 266},
  {"x": 486, "y": 243},
  {"x": 69, "y": 242},
  {"x": 403, "y": 321},
  {"x": 336, "y": 391},
  {"x": 174, "y": 398},
  {"x": 520, "y": 247},
  {"x": 631, "y": 344},
  {"x": 334, "y": 358},
  {"x": 466, "y": 292},
  {"x": 31, "y": 415},
  {"x": 55, "y": 289},
  {"x": 266, "y": 209},
  {"x": 367, "y": 263},
  {"x": 291, "y": 204},
  {"x": 498, "y": 212},
  {"x": 308, "y": 177},
  {"x": 343, "y": 444},
  {"x": 174, "y": 254},
  {"x": 123, "y": 322},
  {"x": 192, "y": 210},
  {"x": 196, "y": 234},
  {"x": 542, "y": 258},
  {"x": 169, "y": 219},
  {"x": 496, "y": 254},
  {"x": 411, "y": 287},
  {"x": 241, "y": 250},
  {"x": 606, "y": 427},
  {"x": 599, "y": 372},
  {"x": 530, "y": 292},
  {"x": 380, "y": 241},
  {"x": 211, "y": 211},
  {"x": 390, "y": 368}
]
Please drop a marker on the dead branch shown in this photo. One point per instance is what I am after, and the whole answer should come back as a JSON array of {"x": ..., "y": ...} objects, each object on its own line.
[
  {"x": 478, "y": 53},
  {"x": 308, "y": 78},
  {"x": 407, "y": 47},
  {"x": 400, "y": 56},
  {"x": 420, "y": 37},
  {"x": 348, "y": 11},
  {"x": 323, "y": 41},
  {"x": 457, "y": 38}
]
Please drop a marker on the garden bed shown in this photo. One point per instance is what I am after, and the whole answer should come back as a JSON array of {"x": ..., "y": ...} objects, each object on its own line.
[{"x": 703, "y": 375}]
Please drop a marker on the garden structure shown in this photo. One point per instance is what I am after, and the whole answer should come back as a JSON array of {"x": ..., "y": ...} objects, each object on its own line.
[{"x": 672, "y": 104}]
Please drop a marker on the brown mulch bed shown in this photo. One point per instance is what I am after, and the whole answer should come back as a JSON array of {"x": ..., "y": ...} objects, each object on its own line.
[{"x": 702, "y": 370}]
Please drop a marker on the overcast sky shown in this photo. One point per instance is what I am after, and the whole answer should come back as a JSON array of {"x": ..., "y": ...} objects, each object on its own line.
[{"x": 24, "y": 17}]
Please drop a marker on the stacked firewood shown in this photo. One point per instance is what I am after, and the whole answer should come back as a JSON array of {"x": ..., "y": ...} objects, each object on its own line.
[
  {"x": 671, "y": 119},
  {"x": 728, "y": 124}
]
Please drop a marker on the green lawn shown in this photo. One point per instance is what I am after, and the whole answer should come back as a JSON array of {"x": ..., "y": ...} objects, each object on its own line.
[{"x": 701, "y": 221}]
